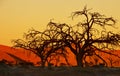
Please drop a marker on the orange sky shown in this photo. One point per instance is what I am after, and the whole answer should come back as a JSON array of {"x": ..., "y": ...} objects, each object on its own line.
[{"x": 18, "y": 16}]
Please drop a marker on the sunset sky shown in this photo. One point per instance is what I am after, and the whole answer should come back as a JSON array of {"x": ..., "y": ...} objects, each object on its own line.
[{"x": 18, "y": 16}]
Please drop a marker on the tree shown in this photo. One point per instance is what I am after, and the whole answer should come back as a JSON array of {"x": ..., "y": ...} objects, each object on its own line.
[
  {"x": 90, "y": 39},
  {"x": 84, "y": 39},
  {"x": 46, "y": 45}
]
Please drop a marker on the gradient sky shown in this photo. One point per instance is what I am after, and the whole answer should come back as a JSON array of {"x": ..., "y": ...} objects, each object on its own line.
[{"x": 18, "y": 16}]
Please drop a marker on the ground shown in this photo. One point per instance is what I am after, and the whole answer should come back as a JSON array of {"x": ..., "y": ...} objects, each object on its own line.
[{"x": 57, "y": 71}]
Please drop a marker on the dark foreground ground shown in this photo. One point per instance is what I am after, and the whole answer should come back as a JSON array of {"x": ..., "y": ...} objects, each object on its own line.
[{"x": 58, "y": 71}]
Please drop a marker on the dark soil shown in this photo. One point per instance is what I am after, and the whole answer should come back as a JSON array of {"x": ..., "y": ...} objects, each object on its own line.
[{"x": 57, "y": 71}]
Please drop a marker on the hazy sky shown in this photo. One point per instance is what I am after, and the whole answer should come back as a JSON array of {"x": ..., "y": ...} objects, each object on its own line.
[{"x": 18, "y": 16}]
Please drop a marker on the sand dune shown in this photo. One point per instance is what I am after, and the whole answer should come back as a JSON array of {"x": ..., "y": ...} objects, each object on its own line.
[
  {"x": 29, "y": 56},
  {"x": 23, "y": 54}
]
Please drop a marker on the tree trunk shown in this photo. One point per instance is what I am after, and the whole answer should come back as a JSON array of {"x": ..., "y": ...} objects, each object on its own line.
[
  {"x": 79, "y": 59},
  {"x": 42, "y": 63}
]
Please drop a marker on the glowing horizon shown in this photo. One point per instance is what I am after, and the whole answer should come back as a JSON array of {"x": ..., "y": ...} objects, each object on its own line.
[{"x": 18, "y": 16}]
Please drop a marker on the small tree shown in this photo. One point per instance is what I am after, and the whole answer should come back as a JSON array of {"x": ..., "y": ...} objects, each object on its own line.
[
  {"x": 84, "y": 39},
  {"x": 46, "y": 45}
]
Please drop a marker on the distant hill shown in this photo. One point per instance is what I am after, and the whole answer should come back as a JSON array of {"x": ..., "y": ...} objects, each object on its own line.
[
  {"x": 25, "y": 55},
  {"x": 29, "y": 56},
  {"x": 21, "y": 53}
]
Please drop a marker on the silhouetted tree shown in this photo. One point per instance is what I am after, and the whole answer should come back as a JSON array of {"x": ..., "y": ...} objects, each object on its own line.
[
  {"x": 45, "y": 45},
  {"x": 87, "y": 38},
  {"x": 93, "y": 37}
]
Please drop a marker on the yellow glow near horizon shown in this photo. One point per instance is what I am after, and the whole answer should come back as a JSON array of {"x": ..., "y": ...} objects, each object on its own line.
[{"x": 18, "y": 16}]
